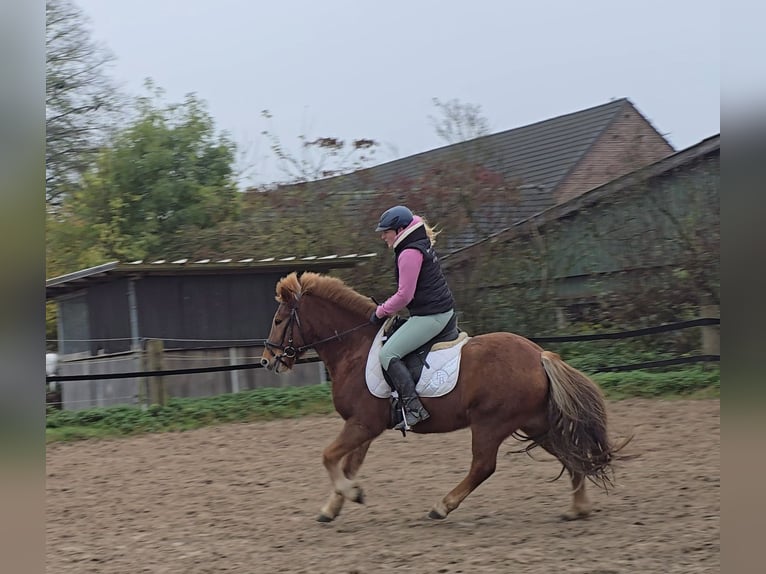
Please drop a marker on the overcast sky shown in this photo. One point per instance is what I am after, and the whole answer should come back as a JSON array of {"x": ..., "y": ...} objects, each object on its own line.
[{"x": 363, "y": 69}]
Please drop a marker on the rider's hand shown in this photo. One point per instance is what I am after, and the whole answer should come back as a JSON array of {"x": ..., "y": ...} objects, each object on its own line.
[{"x": 375, "y": 320}]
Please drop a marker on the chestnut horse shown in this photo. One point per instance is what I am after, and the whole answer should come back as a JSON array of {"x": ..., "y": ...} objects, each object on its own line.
[{"x": 506, "y": 384}]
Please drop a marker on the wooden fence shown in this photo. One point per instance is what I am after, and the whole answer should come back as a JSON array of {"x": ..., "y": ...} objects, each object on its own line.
[
  {"x": 153, "y": 374},
  {"x": 144, "y": 376}
]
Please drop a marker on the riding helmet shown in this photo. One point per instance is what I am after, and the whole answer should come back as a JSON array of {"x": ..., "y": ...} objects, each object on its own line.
[{"x": 394, "y": 218}]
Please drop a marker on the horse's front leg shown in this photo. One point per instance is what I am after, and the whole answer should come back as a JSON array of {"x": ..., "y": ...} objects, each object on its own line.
[
  {"x": 351, "y": 464},
  {"x": 353, "y": 436}
]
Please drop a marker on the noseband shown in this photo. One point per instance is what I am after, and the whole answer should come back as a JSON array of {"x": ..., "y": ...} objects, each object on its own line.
[{"x": 289, "y": 350}]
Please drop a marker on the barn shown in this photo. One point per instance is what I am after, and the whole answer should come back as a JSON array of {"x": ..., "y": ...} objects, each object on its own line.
[
  {"x": 205, "y": 313},
  {"x": 649, "y": 241}
]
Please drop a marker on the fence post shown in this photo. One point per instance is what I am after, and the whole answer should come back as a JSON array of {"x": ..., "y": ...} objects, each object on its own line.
[
  {"x": 139, "y": 364},
  {"x": 154, "y": 353},
  {"x": 233, "y": 375},
  {"x": 711, "y": 336}
]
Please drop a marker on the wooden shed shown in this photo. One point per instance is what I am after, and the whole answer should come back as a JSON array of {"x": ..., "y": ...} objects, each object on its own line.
[{"x": 205, "y": 312}]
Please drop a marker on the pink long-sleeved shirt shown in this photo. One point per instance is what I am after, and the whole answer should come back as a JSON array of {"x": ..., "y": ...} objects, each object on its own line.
[{"x": 409, "y": 263}]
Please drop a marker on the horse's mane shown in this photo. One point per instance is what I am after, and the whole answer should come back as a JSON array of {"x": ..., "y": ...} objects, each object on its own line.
[{"x": 330, "y": 288}]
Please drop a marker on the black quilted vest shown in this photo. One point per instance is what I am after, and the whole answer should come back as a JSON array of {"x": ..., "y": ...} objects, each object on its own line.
[{"x": 432, "y": 294}]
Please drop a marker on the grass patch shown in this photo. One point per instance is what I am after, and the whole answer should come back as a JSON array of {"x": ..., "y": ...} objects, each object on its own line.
[
  {"x": 187, "y": 414},
  {"x": 64, "y": 434},
  {"x": 694, "y": 381}
]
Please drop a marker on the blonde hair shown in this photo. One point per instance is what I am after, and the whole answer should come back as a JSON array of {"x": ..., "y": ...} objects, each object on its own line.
[{"x": 430, "y": 231}]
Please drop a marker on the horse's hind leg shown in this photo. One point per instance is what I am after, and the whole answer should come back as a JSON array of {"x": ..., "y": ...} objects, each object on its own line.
[
  {"x": 581, "y": 504},
  {"x": 351, "y": 464},
  {"x": 484, "y": 443}
]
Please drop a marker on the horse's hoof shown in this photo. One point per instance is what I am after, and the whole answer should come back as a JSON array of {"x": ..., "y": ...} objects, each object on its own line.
[
  {"x": 358, "y": 496},
  {"x": 574, "y": 515},
  {"x": 433, "y": 515},
  {"x": 324, "y": 518}
]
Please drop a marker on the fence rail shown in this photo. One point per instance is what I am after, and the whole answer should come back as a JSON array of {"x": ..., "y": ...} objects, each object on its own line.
[
  {"x": 702, "y": 322},
  {"x": 162, "y": 373}
]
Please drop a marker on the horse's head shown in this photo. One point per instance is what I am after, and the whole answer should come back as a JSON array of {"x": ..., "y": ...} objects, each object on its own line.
[
  {"x": 336, "y": 311},
  {"x": 286, "y": 342}
]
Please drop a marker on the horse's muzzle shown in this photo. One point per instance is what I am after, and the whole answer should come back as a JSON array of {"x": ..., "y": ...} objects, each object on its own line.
[{"x": 266, "y": 364}]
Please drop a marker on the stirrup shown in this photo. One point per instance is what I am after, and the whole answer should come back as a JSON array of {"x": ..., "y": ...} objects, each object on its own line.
[
  {"x": 419, "y": 416},
  {"x": 403, "y": 426}
]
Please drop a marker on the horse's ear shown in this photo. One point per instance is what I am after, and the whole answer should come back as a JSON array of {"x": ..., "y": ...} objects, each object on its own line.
[{"x": 288, "y": 289}]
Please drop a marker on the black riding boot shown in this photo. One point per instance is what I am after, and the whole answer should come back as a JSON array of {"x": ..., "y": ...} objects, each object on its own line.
[{"x": 405, "y": 386}]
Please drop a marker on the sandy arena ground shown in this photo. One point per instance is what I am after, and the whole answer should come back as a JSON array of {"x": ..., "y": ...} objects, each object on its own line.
[{"x": 243, "y": 498}]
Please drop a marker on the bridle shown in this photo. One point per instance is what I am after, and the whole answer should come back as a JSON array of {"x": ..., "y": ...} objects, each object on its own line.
[{"x": 289, "y": 350}]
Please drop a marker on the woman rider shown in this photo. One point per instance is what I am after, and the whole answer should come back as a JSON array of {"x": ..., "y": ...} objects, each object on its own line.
[{"x": 423, "y": 289}]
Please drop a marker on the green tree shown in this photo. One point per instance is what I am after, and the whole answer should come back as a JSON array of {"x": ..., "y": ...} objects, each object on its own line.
[
  {"x": 167, "y": 171},
  {"x": 80, "y": 98}
]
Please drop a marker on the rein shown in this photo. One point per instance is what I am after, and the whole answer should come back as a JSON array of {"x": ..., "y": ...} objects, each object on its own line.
[{"x": 290, "y": 351}]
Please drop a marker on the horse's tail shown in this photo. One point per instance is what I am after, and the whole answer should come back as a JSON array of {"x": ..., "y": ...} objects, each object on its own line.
[{"x": 577, "y": 433}]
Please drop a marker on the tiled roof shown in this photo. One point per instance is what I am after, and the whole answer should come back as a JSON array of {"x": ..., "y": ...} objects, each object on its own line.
[{"x": 538, "y": 157}]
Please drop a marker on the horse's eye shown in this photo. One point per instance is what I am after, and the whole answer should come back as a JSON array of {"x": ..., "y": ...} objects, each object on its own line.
[{"x": 277, "y": 321}]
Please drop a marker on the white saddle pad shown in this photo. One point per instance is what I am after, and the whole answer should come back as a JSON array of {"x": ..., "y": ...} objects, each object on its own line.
[{"x": 436, "y": 379}]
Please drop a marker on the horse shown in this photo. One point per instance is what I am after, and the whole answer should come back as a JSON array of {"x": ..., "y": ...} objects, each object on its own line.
[{"x": 507, "y": 385}]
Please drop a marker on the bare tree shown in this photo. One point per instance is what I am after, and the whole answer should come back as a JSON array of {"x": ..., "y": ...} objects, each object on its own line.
[
  {"x": 319, "y": 157},
  {"x": 79, "y": 97},
  {"x": 459, "y": 121}
]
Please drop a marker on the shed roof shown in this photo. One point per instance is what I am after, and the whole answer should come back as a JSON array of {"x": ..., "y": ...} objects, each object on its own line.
[{"x": 70, "y": 282}]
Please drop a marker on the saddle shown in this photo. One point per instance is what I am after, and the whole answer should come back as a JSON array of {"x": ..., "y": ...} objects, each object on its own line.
[{"x": 416, "y": 360}]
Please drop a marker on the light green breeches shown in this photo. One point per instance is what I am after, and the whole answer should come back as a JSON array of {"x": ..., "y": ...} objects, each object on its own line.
[{"x": 417, "y": 330}]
